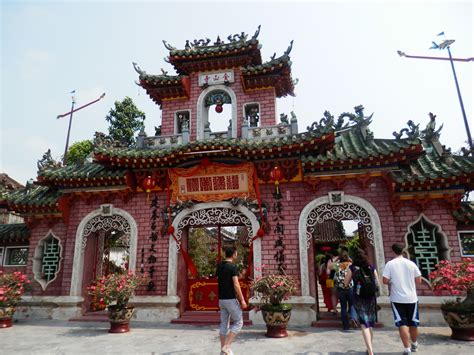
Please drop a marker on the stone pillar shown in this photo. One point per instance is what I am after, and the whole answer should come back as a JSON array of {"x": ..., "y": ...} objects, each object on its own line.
[
  {"x": 141, "y": 139},
  {"x": 294, "y": 123},
  {"x": 245, "y": 129}
]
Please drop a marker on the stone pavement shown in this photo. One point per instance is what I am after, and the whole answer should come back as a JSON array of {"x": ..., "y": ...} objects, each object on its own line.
[{"x": 62, "y": 337}]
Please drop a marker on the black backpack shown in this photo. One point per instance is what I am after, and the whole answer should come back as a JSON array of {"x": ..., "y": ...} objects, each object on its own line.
[{"x": 366, "y": 280}]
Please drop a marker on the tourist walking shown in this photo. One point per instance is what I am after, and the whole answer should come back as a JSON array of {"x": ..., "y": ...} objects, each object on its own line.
[
  {"x": 344, "y": 293},
  {"x": 230, "y": 295},
  {"x": 323, "y": 277},
  {"x": 364, "y": 277},
  {"x": 402, "y": 275}
]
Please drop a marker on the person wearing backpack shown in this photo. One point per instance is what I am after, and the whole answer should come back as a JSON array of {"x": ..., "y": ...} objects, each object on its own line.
[
  {"x": 344, "y": 293},
  {"x": 402, "y": 275},
  {"x": 365, "y": 291}
]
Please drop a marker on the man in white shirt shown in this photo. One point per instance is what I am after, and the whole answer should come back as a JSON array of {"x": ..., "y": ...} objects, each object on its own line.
[{"x": 402, "y": 275}]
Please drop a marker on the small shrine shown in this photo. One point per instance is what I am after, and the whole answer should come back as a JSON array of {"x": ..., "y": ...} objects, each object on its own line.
[{"x": 280, "y": 193}]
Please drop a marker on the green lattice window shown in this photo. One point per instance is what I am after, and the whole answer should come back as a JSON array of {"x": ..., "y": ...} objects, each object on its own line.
[
  {"x": 47, "y": 260},
  {"x": 427, "y": 245},
  {"x": 16, "y": 256}
]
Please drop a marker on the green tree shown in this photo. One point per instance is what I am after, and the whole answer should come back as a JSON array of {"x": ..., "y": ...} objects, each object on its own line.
[
  {"x": 79, "y": 151},
  {"x": 125, "y": 120}
]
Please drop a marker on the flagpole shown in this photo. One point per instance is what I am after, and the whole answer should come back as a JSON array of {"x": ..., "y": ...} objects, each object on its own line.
[
  {"x": 446, "y": 45},
  {"x": 466, "y": 124},
  {"x": 70, "y": 120},
  {"x": 69, "y": 130}
]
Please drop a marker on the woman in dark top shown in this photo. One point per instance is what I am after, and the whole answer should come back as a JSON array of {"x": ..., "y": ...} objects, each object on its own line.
[{"x": 366, "y": 308}]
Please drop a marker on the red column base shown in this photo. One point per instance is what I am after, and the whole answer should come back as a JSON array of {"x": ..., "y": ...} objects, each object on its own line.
[
  {"x": 120, "y": 327},
  {"x": 276, "y": 331},
  {"x": 6, "y": 322}
]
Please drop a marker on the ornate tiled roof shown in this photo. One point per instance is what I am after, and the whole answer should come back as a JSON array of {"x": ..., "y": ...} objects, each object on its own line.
[
  {"x": 275, "y": 73},
  {"x": 42, "y": 197},
  {"x": 14, "y": 233},
  {"x": 430, "y": 167},
  {"x": 465, "y": 214},
  {"x": 88, "y": 174},
  {"x": 164, "y": 86},
  {"x": 352, "y": 149},
  {"x": 202, "y": 55},
  {"x": 265, "y": 148}
]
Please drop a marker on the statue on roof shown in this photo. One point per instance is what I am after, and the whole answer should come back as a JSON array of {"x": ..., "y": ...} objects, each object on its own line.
[
  {"x": 201, "y": 42},
  {"x": 358, "y": 118},
  {"x": 168, "y": 46},
  {"x": 326, "y": 123},
  {"x": 288, "y": 50},
  {"x": 257, "y": 32},
  {"x": 430, "y": 133},
  {"x": 412, "y": 131},
  {"x": 47, "y": 162},
  {"x": 138, "y": 69}
]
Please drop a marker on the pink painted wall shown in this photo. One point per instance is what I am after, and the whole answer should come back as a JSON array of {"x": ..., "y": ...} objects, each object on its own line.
[
  {"x": 266, "y": 98},
  {"x": 394, "y": 227}
]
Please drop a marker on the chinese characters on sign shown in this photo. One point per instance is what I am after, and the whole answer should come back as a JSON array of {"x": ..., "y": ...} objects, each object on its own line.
[
  {"x": 203, "y": 184},
  {"x": 212, "y": 182},
  {"x": 208, "y": 79}
]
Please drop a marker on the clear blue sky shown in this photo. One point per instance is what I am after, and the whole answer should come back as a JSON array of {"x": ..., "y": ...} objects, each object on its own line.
[{"x": 344, "y": 54}]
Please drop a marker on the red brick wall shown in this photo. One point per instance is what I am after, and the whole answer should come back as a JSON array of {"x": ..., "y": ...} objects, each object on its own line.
[
  {"x": 394, "y": 225},
  {"x": 295, "y": 197},
  {"x": 140, "y": 210},
  {"x": 266, "y": 98}
]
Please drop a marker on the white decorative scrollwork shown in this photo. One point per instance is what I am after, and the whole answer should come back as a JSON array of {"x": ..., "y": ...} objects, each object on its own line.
[
  {"x": 213, "y": 216},
  {"x": 106, "y": 224},
  {"x": 347, "y": 211}
]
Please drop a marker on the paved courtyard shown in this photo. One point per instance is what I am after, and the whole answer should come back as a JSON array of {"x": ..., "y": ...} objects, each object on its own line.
[{"x": 62, "y": 337}]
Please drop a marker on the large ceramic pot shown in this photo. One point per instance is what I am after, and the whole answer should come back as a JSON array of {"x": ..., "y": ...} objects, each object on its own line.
[
  {"x": 460, "y": 317},
  {"x": 6, "y": 316},
  {"x": 276, "y": 318},
  {"x": 461, "y": 322},
  {"x": 119, "y": 318}
]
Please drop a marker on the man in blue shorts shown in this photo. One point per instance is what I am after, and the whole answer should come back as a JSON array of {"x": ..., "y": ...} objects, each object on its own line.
[
  {"x": 402, "y": 275},
  {"x": 229, "y": 292}
]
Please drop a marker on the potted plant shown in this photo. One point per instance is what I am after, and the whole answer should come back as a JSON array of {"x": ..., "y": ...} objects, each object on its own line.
[
  {"x": 12, "y": 287},
  {"x": 115, "y": 291},
  {"x": 458, "y": 280},
  {"x": 271, "y": 290}
]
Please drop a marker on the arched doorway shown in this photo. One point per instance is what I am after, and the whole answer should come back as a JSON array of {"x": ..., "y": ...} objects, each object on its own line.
[
  {"x": 105, "y": 239},
  {"x": 207, "y": 215},
  {"x": 208, "y": 98},
  {"x": 337, "y": 206}
]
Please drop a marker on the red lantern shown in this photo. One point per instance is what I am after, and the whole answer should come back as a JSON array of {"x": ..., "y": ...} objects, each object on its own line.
[
  {"x": 276, "y": 176},
  {"x": 148, "y": 184},
  {"x": 219, "y": 108}
]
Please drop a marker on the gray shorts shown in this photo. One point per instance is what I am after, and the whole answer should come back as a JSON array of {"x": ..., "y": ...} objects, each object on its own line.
[{"x": 230, "y": 309}]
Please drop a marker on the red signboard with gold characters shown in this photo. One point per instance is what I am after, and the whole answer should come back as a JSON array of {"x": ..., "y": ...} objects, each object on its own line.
[
  {"x": 203, "y": 294},
  {"x": 212, "y": 182}
]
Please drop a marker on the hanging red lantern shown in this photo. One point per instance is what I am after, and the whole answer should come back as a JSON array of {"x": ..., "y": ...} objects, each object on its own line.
[
  {"x": 148, "y": 184},
  {"x": 219, "y": 108},
  {"x": 276, "y": 176}
]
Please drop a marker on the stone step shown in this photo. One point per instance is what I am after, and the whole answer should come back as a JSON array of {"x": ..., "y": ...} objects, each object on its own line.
[
  {"x": 99, "y": 316},
  {"x": 202, "y": 318}
]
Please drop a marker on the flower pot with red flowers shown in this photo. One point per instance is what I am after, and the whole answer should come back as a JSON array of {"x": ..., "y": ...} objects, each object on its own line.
[
  {"x": 12, "y": 287},
  {"x": 115, "y": 291},
  {"x": 272, "y": 290},
  {"x": 458, "y": 280}
]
